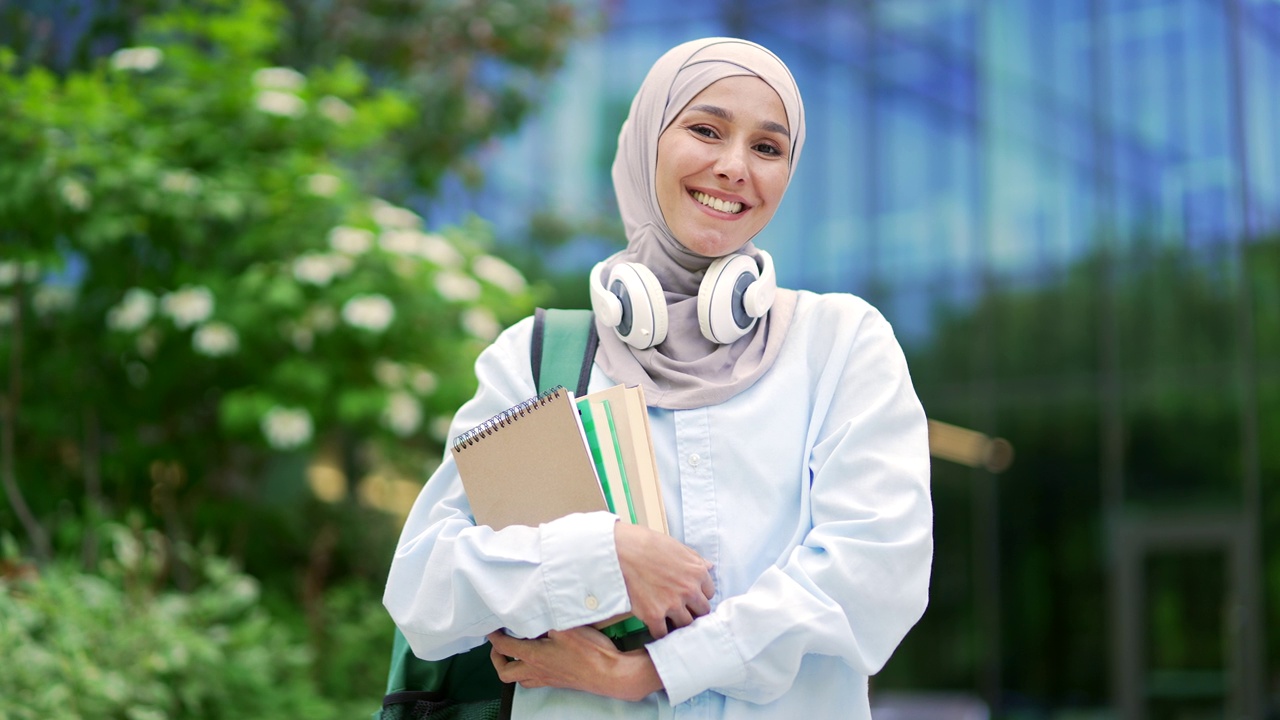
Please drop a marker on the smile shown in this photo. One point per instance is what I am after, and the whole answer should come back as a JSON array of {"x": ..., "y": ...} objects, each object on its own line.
[{"x": 733, "y": 208}]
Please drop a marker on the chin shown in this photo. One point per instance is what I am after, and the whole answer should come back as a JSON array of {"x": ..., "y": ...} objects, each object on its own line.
[{"x": 713, "y": 247}]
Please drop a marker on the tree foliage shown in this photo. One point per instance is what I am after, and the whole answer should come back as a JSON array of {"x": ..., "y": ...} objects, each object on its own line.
[
  {"x": 472, "y": 69},
  {"x": 195, "y": 283}
]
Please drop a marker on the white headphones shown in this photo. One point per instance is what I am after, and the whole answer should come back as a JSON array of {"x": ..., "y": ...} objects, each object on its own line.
[{"x": 733, "y": 294}]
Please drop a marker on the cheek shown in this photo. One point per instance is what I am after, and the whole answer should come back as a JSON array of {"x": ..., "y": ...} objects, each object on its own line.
[{"x": 773, "y": 182}]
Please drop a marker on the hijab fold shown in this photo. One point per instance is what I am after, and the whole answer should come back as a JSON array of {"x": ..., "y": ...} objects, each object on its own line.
[{"x": 687, "y": 370}]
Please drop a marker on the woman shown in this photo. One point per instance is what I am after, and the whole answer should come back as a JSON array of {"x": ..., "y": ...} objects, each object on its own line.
[{"x": 791, "y": 448}]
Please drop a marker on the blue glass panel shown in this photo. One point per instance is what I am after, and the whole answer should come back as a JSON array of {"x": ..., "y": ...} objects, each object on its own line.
[{"x": 1262, "y": 117}]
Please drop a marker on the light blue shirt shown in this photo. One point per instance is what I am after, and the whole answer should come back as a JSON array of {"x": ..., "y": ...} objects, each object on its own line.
[{"x": 809, "y": 491}]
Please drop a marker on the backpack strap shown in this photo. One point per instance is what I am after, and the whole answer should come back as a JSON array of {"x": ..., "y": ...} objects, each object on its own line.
[{"x": 571, "y": 334}]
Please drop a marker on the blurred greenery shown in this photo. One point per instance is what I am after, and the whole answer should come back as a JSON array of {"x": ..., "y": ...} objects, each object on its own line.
[
  {"x": 470, "y": 69},
  {"x": 214, "y": 324},
  {"x": 117, "y": 643}
]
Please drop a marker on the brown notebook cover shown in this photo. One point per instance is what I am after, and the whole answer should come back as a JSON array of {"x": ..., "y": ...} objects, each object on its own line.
[{"x": 529, "y": 464}]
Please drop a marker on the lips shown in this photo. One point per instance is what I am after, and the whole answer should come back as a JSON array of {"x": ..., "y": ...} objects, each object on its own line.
[{"x": 715, "y": 203}]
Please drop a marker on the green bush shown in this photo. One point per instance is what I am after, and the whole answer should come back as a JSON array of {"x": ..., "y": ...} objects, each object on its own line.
[{"x": 116, "y": 644}]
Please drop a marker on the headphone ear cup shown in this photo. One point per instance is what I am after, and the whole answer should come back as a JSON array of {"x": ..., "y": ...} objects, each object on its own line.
[
  {"x": 722, "y": 314},
  {"x": 604, "y": 304},
  {"x": 759, "y": 297},
  {"x": 643, "y": 321}
]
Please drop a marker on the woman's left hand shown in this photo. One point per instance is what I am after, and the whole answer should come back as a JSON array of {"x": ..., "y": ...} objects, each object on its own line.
[{"x": 578, "y": 659}]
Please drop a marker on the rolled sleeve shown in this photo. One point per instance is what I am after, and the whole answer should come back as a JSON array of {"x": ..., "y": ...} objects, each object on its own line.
[
  {"x": 696, "y": 657},
  {"x": 580, "y": 570}
]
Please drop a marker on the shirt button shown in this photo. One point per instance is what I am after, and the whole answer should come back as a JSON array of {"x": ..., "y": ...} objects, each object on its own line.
[
  {"x": 694, "y": 459},
  {"x": 591, "y": 602}
]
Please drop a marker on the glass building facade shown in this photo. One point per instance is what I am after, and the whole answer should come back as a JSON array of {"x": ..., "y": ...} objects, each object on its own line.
[{"x": 1069, "y": 210}]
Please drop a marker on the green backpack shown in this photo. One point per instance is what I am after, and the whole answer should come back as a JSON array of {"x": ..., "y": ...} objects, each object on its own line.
[{"x": 465, "y": 686}]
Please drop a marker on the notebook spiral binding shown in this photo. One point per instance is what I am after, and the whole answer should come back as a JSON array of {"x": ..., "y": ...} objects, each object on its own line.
[{"x": 504, "y": 418}]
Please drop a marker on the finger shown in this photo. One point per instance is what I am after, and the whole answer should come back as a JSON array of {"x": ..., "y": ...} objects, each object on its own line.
[
  {"x": 699, "y": 606},
  {"x": 502, "y": 664},
  {"x": 657, "y": 629},
  {"x": 708, "y": 587},
  {"x": 680, "y": 617},
  {"x": 501, "y": 641}
]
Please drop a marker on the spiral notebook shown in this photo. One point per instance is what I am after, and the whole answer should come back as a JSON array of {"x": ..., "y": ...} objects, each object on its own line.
[{"x": 529, "y": 464}]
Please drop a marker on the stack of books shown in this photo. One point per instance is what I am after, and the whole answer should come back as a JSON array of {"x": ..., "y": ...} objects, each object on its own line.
[{"x": 555, "y": 454}]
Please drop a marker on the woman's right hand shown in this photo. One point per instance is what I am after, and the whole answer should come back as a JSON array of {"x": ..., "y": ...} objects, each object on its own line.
[{"x": 667, "y": 581}]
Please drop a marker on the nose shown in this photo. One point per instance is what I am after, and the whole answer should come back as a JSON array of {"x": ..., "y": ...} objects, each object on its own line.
[{"x": 731, "y": 165}]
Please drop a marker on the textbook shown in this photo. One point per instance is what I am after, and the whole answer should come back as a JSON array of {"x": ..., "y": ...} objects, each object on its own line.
[
  {"x": 616, "y": 423},
  {"x": 529, "y": 464}
]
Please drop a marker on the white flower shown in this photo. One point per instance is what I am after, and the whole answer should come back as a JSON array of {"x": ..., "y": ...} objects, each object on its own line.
[
  {"x": 439, "y": 251},
  {"x": 481, "y": 323},
  {"x": 189, "y": 305},
  {"x": 389, "y": 216},
  {"x": 274, "y": 102},
  {"x": 440, "y": 428},
  {"x": 403, "y": 414},
  {"x": 8, "y": 309},
  {"x": 49, "y": 299},
  {"x": 11, "y": 272},
  {"x": 415, "y": 243},
  {"x": 138, "y": 59},
  {"x": 215, "y": 339},
  {"x": 399, "y": 242},
  {"x": 286, "y": 428},
  {"x": 181, "y": 182},
  {"x": 323, "y": 184},
  {"x": 497, "y": 272},
  {"x": 370, "y": 312},
  {"x": 424, "y": 381},
  {"x": 134, "y": 311},
  {"x": 74, "y": 194},
  {"x": 456, "y": 287},
  {"x": 349, "y": 240},
  {"x": 388, "y": 374},
  {"x": 320, "y": 269},
  {"x": 336, "y": 109},
  {"x": 279, "y": 78}
]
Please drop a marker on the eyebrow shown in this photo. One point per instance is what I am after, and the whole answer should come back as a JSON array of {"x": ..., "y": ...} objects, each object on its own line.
[{"x": 717, "y": 111}]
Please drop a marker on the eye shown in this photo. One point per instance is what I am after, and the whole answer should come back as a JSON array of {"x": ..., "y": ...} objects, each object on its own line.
[
  {"x": 704, "y": 131},
  {"x": 768, "y": 149}
]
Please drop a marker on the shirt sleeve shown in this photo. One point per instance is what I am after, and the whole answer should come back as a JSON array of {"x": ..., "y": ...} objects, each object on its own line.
[
  {"x": 452, "y": 582},
  {"x": 858, "y": 581}
]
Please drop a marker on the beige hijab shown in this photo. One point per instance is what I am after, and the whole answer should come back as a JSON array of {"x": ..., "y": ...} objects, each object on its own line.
[{"x": 686, "y": 370}]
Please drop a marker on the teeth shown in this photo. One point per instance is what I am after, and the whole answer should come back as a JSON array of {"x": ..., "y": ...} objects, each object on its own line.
[{"x": 732, "y": 208}]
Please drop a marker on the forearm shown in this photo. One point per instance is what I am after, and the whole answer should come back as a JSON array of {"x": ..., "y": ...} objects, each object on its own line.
[{"x": 452, "y": 583}]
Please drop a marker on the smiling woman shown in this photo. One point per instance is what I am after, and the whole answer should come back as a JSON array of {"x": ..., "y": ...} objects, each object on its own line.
[
  {"x": 792, "y": 452},
  {"x": 723, "y": 165}
]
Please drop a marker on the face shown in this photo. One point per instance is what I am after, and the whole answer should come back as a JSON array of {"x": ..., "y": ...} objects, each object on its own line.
[{"x": 723, "y": 165}]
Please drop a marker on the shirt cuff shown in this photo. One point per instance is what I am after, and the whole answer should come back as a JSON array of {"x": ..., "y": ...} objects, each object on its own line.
[
  {"x": 698, "y": 657},
  {"x": 580, "y": 570}
]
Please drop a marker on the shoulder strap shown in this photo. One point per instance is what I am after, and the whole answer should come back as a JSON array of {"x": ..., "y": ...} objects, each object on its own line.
[{"x": 571, "y": 337}]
